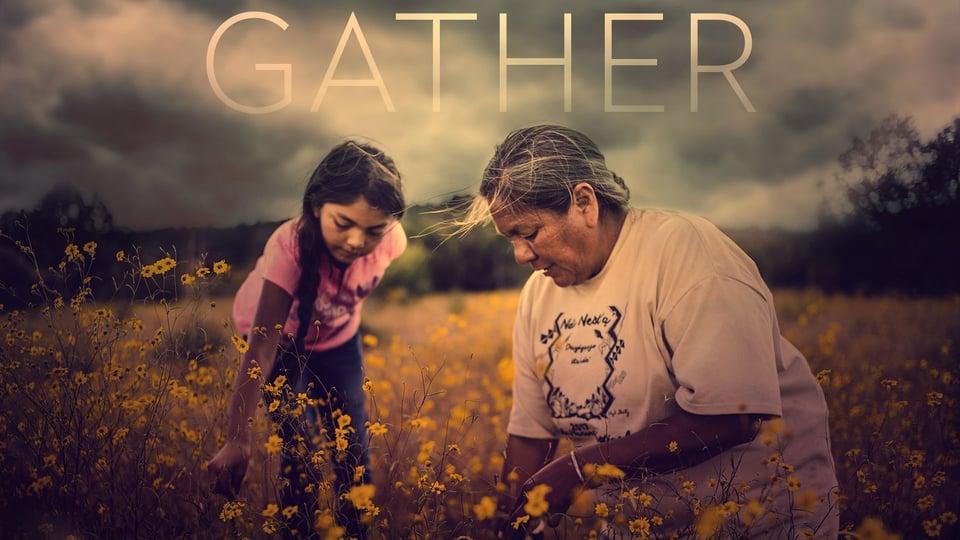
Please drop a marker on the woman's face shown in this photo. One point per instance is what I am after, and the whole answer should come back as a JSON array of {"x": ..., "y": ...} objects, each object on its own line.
[
  {"x": 352, "y": 230},
  {"x": 561, "y": 245}
]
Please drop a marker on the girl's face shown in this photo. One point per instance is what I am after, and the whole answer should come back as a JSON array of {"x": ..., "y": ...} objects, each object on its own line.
[{"x": 352, "y": 230}]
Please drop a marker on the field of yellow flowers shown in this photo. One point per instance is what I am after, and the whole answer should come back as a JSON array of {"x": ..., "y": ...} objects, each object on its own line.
[{"x": 114, "y": 389}]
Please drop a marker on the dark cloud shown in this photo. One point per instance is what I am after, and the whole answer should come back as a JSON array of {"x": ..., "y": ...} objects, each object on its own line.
[
  {"x": 155, "y": 159},
  {"x": 903, "y": 16},
  {"x": 146, "y": 133}
]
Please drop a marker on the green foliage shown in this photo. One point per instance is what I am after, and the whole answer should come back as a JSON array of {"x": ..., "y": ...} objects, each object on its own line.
[{"x": 410, "y": 272}]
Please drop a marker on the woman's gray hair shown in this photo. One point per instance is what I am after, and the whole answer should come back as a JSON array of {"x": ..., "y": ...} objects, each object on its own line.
[{"x": 536, "y": 168}]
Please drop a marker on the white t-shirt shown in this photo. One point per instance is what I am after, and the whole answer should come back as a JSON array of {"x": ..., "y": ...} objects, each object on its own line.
[{"x": 678, "y": 318}]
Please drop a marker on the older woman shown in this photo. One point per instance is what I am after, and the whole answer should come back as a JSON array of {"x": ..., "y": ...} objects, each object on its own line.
[{"x": 648, "y": 338}]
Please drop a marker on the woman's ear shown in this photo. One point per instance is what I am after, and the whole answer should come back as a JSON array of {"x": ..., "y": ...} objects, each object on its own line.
[{"x": 586, "y": 204}]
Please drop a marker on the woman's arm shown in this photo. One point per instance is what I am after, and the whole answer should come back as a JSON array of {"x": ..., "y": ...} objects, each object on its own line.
[
  {"x": 698, "y": 438},
  {"x": 648, "y": 451},
  {"x": 525, "y": 456},
  {"x": 273, "y": 309}
]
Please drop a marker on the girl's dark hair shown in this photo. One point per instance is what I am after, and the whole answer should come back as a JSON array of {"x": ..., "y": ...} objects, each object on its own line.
[{"x": 349, "y": 171}]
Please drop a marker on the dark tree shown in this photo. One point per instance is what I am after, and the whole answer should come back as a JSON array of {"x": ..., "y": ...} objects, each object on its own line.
[{"x": 901, "y": 230}]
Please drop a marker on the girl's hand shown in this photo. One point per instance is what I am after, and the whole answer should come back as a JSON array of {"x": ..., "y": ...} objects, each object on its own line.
[{"x": 229, "y": 466}]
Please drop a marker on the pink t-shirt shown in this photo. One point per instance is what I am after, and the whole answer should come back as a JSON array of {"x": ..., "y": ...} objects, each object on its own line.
[{"x": 339, "y": 298}]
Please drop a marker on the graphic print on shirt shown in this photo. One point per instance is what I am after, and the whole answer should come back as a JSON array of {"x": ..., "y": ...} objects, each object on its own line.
[{"x": 582, "y": 351}]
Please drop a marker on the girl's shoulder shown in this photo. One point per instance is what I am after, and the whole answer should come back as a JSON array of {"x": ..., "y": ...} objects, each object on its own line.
[
  {"x": 286, "y": 232},
  {"x": 392, "y": 245},
  {"x": 282, "y": 242}
]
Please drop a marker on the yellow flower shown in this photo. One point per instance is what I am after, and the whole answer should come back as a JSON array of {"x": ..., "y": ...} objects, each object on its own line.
[
  {"x": 231, "y": 510},
  {"x": 121, "y": 256},
  {"x": 418, "y": 423},
  {"x": 520, "y": 521},
  {"x": 255, "y": 372},
  {"x": 437, "y": 488},
  {"x": 240, "y": 344},
  {"x": 485, "y": 509},
  {"x": 343, "y": 420},
  {"x": 873, "y": 528},
  {"x": 164, "y": 265},
  {"x": 221, "y": 267},
  {"x": 793, "y": 483},
  {"x": 361, "y": 496},
  {"x": 932, "y": 527},
  {"x": 377, "y": 428},
  {"x": 72, "y": 252},
  {"x": 537, "y": 500},
  {"x": 273, "y": 444},
  {"x": 673, "y": 447},
  {"x": 148, "y": 271},
  {"x": 609, "y": 470},
  {"x": 91, "y": 248},
  {"x": 708, "y": 522},
  {"x": 203, "y": 272},
  {"x": 640, "y": 527},
  {"x": 270, "y": 511},
  {"x": 289, "y": 512},
  {"x": 367, "y": 385},
  {"x": 187, "y": 279},
  {"x": 934, "y": 398},
  {"x": 370, "y": 340},
  {"x": 601, "y": 510},
  {"x": 645, "y": 499}
]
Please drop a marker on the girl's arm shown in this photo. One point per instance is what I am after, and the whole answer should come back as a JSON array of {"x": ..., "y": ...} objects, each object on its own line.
[{"x": 273, "y": 309}]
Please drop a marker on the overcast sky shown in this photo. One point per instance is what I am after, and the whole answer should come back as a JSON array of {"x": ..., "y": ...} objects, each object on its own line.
[{"x": 114, "y": 98}]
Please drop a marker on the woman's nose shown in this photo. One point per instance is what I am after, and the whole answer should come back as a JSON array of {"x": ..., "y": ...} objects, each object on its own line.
[{"x": 523, "y": 252}]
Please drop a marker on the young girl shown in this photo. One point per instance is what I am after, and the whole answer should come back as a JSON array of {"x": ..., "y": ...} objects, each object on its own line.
[{"x": 312, "y": 279}]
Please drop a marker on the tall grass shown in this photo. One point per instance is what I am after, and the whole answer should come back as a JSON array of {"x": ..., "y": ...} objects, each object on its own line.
[{"x": 114, "y": 389}]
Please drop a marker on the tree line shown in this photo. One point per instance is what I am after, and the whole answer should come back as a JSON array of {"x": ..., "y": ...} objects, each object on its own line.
[{"x": 896, "y": 229}]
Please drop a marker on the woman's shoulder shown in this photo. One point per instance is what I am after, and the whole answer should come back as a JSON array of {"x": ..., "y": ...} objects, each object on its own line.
[
  {"x": 667, "y": 222},
  {"x": 694, "y": 244}
]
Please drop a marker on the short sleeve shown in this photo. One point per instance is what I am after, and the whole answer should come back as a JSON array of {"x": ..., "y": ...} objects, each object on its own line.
[
  {"x": 397, "y": 242},
  {"x": 529, "y": 416},
  {"x": 280, "y": 263},
  {"x": 720, "y": 336}
]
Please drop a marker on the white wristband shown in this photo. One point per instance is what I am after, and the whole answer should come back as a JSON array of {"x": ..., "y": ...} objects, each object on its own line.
[{"x": 576, "y": 467}]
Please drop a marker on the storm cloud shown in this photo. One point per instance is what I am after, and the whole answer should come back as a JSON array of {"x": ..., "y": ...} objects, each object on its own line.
[{"x": 113, "y": 97}]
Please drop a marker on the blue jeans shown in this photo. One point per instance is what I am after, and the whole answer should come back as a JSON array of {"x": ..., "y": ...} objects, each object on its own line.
[{"x": 336, "y": 377}]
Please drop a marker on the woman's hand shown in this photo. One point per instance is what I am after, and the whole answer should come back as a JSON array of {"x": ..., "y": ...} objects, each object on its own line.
[
  {"x": 229, "y": 466},
  {"x": 560, "y": 475}
]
